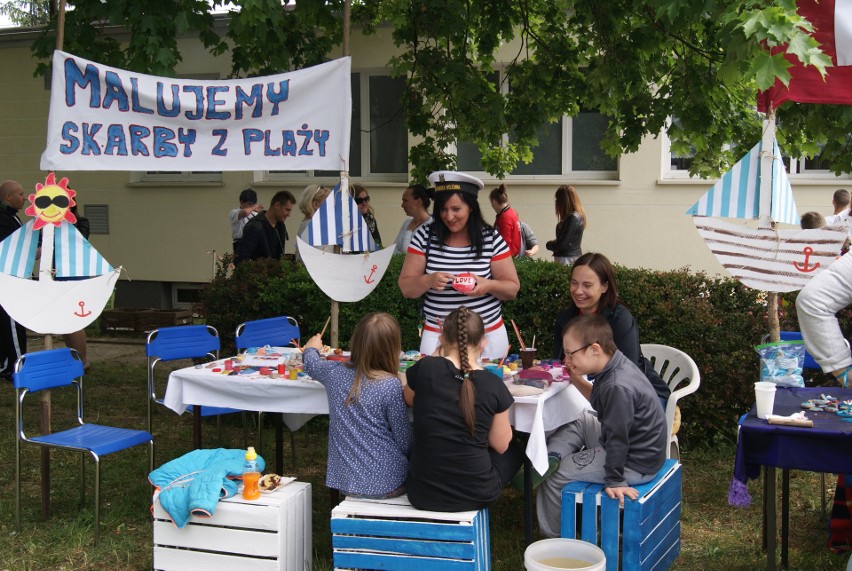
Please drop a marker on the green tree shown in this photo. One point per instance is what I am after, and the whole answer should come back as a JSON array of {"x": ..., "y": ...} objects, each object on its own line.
[
  {"x": 27, "y": 14},
  {"x": 638, "y": 63}
]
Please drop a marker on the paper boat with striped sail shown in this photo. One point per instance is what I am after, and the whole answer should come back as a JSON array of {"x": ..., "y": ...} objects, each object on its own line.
[
  {"x": 85, "y": 280},
  {"x": 768, "y": 259},
  {"x": 347, "y": 276}
]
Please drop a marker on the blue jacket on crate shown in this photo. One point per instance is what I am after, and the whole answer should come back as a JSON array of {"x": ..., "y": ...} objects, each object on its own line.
[{"x": 194, "y": 483}]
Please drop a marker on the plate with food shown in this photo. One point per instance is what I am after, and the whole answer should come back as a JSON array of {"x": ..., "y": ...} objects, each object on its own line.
[{"x": 268, "y": 483}]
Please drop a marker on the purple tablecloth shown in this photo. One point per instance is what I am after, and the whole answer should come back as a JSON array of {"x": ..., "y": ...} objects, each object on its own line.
[{"x": 827, "y": 447}]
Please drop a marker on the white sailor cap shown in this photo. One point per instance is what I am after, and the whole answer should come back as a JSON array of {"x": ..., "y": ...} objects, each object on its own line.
[{"x": 454, "y": 181}]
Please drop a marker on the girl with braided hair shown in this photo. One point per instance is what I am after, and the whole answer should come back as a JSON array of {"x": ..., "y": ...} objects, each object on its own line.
[{"x": 463, "y": 450}]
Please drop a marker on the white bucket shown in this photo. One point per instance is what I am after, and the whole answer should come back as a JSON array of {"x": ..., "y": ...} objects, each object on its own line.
[{"x": 556, "y": 554}]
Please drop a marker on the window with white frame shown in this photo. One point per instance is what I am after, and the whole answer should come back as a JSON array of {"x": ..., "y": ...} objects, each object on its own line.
[
  {"x": 570, "y": 146},
  {"x": 816, "y": 167},
  {"x": 676, "y": 164},
  {"x": 378, "y": 147}
]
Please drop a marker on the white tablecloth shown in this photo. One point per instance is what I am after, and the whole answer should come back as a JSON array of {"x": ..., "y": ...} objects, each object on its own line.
[
  {"x": 538, "y": 415},
  {"x": 299, "y": 400}
]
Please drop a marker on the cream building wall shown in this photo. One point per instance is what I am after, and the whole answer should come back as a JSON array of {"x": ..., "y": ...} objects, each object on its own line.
[{"x": 163, "y": 233}]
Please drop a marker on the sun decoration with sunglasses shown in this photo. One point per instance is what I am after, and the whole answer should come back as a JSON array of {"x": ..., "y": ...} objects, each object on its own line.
[
  {"x": 362, "y": 200},
  {"x": 51, "y": 203}
]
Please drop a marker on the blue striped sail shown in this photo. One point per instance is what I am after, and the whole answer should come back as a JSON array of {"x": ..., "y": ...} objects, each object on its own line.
[
  {"x": 737, "y": 193},
  {"x": 326, "y": 225},
  {"x": 73, "y": 255},
  {"x": 18, "y": 251}
]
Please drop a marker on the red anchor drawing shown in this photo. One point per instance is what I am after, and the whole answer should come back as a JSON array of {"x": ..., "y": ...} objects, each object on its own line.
[
  {"x": 805, "y": 267},
  {"x": 83, "y": 312},
  {"x": 369, "y": 279}
]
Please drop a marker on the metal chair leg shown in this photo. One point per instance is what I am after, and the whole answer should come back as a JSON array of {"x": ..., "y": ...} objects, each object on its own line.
[
  {"x": 97, "y": 498},
  {"x": 17, "y": 484},
  {"x": 151, "y": 455},
  {"x": 82, "y": 478}
]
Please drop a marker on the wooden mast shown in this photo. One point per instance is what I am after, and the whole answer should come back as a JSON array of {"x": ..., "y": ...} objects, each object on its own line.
[{"x": 335, "y": 306}]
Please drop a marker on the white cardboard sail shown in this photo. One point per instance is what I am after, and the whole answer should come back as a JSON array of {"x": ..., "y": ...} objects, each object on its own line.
[{"x": 345, "y": 277}]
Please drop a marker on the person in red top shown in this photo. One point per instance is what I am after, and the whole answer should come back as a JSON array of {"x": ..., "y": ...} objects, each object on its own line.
[{"x": 507, "y": 221}]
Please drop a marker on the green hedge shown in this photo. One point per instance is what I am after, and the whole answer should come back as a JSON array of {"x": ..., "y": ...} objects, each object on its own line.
[{"x": 717, "y": 321}]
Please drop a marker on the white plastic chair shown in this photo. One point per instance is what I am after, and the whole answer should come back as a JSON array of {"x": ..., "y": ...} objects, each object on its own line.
[{"x": 675, "y": 367}]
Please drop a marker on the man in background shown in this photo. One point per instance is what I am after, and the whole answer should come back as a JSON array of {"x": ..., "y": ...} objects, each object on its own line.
[
  {"x": 13, "y": 336},
  {"x": 840, "y": 202},
  {"x": 241, "y": 216},
  {"x": 265, "y": 235}
]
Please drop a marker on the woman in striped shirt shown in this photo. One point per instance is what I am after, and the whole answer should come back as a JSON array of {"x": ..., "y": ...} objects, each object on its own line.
[{"x": 458, "y": 241}]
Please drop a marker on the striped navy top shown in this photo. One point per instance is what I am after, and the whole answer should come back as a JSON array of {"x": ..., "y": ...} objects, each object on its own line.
[{"x": 442, "y": 258}]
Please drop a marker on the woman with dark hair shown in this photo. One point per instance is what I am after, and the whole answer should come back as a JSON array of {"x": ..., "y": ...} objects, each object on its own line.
[
  {"x": 569, "y": 229},
  {"x": 458, "y": 243},
  {"x": 507, "y": 221},
  {"x": 595, "y": 291},
  {"x": 415, "y": 203}
]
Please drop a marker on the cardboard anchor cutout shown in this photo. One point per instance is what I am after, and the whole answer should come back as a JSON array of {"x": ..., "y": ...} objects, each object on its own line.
[{"x": 46, "y": 305}]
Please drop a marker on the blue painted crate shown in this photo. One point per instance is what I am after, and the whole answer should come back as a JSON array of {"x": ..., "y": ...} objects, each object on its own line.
[
  {"x": 392, "y": 535},
  {"x": 646, "y": 534}
]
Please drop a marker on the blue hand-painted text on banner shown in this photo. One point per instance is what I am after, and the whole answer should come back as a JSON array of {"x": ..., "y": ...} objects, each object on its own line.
[{"x": 104, "y": 118}]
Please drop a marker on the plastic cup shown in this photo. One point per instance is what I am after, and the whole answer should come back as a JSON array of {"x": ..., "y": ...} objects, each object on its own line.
[
  {"x": 527, "y": 356},
  {"x": 764, "y": 396}
]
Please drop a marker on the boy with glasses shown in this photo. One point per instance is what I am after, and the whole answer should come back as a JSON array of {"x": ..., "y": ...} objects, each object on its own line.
[{"x": 623, "y": 443}]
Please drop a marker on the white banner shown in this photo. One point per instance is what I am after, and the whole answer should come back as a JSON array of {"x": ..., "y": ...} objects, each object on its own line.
[{"x": 104, "y": 118}]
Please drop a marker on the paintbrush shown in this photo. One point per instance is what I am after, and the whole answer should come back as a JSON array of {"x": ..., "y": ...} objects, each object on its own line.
[
  {"x": 327, "y": 321},
  {"x": 518, "y": 333}
]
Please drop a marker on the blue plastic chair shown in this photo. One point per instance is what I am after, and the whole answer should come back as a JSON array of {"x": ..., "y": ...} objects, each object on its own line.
[
  {"x": 275, "y": 331},
  {"x": 181, "y": 342},
  {"x": 54, "y": 369}
]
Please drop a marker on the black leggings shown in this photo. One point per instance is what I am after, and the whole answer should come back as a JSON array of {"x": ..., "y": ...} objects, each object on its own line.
[{"x": 509, "y": 462}]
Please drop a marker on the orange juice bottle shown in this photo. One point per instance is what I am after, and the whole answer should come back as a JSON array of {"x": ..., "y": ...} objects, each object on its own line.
[{"x": 251, "y": 475}]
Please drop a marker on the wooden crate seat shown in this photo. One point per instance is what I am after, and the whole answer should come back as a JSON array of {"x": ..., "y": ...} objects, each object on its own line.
[
  {"x": 392, "y": 535},
  {"x": 273, "y": 533},
  {"x": 644, "y": 535}
]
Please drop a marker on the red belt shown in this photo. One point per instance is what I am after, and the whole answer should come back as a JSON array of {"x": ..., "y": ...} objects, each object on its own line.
[{"x": 435, "y": 329}]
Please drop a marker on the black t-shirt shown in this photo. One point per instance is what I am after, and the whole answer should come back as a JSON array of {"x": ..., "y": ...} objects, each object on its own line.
[{"x": 450, "y": 468}]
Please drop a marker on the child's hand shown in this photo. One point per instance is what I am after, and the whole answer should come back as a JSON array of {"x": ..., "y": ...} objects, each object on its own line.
[
  {"x": 620, "y": 493},
  {"x": 314, "y": 342}
]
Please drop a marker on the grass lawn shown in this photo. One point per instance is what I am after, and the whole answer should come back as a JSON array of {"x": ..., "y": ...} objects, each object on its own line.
[{"x": 714, "y": 535}]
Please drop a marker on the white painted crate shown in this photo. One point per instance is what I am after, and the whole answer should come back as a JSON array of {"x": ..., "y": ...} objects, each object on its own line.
[
  {"x": 392, "y": 535},
  {"x": 269, "y": 534}
]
